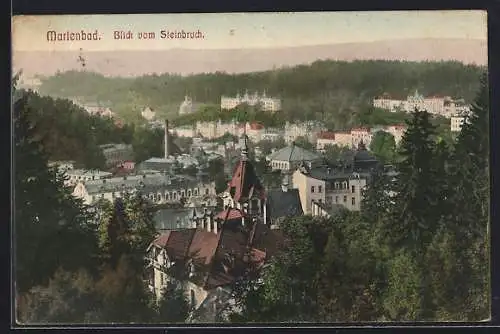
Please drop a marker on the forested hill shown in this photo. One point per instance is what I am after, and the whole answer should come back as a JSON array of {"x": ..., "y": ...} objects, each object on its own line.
[{"x": 323, "y": 87}]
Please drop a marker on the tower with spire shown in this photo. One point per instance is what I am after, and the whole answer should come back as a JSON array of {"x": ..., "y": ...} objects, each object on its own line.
[{"x": 245, "y": 197}]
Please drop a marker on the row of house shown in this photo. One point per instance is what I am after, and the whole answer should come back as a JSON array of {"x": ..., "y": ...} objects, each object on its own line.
[
  {"x": 355, "y": 136},
  {"x": 160, "y": 188},
  {"x": 255, "y": 131},
  {"x": 439, "y": 105}
]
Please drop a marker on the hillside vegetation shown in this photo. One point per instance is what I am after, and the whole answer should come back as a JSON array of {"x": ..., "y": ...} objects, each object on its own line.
[{"x": 335, "y": 92}]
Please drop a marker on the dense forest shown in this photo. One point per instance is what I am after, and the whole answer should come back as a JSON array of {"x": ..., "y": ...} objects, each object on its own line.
[{"x": 332, "y": 91}]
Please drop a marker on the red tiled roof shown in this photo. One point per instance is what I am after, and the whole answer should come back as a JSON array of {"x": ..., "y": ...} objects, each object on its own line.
[
  {"x": 342, "y": 132},
  {"x": 203, "y": 246},
  {"x": 210, "y": 250},
  {"x": 256, "y": 126},
  {"x": 162, "y": 240},
  {"x": 179, "y": 242},
  {"x": 326, "y": 135},
  {"x": 230, "y": 214},
  {"x": 245, "y": 183}
]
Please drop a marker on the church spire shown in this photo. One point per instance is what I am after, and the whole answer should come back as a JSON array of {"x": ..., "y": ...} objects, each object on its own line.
[{"x": 244, "y": 149}]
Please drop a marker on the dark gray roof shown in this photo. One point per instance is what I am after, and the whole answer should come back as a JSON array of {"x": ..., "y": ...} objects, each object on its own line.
[
  {"x": 149, "y": 183},
  {"x": 283, "y": 203},
  {"x": 173, "y": 219},
  {"x": 294, "y": 153},
  {"x": 156, "y": 164}
]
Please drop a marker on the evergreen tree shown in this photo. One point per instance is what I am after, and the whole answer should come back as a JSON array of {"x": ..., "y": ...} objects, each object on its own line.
[
  {"x": 383, "y": 146},
  {"x": 68, "y": 298},
  {"x": 414, "y": 215},
  {"x": 51, "y": 226},
  {"x": 468, "y": 223},
  {"x": 173, "y": 306}
]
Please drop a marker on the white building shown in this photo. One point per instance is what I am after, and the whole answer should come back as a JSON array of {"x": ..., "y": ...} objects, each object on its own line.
[
  {"x": 83, "y": 175},
  {"x": 62, "y": 166},
  {"x": 264, "y": 102},
  {"x": 388, "y": 103},
  {"x": 186, "y": 106},
  {"x": 188, "y": 131},
  {"x": 361, "y": 135},
  {"x": 289, "y": 158},
  {"x": 439, "y": 105},
  {"x": 308, "y": 130},
  {"x": 325, "y": 139},
  {"x": 149, "y": 114},
  {"x": 397, "y": 131},
  {"x": 335, "y": 185},
  {"x": 158, "y": 187},
  {"x": 456, "y": 123}
]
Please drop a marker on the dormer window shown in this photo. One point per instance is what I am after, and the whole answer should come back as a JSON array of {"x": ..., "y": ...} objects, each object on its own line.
[{"x": 191, "y": 269}]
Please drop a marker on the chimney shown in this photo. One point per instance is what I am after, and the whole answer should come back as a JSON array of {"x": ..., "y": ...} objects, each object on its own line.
[{"x": 166, "y": 140}]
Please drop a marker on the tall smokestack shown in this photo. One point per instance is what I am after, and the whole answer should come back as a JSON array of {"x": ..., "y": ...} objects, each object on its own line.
[{"x": 166, "y": 140}]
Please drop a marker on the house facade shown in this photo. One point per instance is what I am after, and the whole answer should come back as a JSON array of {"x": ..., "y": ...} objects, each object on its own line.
[
  {"x": 337, "y": 184},
  {"x": 266, "y": 103},
  {"x": 159, "y": 188}
]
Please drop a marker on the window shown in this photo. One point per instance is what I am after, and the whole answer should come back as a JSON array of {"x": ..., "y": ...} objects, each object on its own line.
[
  {"x": 320, "y": 189},
  {"x": 320, "y": 201},
  {"x": 345, "y": 199},
  {"x": 336, "y": 199},
  {"x": 193, "y": 298},
  {"x": 312, "y": 189},
  {"x": 353, "y": 201},
  {"x": 206, "y": 191},
  {"x": 353, "y": 189}
]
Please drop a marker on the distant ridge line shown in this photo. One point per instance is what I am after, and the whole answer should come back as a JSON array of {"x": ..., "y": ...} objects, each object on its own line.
[{"x": 129, "y": 63}]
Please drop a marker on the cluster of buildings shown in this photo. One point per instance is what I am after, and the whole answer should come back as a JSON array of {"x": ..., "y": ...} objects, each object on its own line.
[
  {"x": 264, "y": 102},
  {"x": 355, "y": 136},
  {"x": 159, "y": 188},
  {"x": 439, "y": 105},
  {"x": 204, "y": 251},
  {"x": 255, "y": 131},
  {"x": 207, "y": 257},
  {"x": 117, "y": 154}
]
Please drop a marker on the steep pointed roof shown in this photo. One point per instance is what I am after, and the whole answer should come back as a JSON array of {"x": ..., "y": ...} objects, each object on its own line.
[{"x": 245, "y": 184}]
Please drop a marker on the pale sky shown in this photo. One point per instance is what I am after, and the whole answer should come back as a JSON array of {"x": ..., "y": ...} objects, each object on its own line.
[{"x": 247, "y": 30}]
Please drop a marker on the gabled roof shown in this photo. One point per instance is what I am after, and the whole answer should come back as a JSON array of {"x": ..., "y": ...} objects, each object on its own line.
[
  {"x": 245, "y": 184},
  {"x": 294, "y": 153},
  {"x": 230, "y": 214},
  {"x": 283, "y": 203},
  {"x": 210, "y": 251}
]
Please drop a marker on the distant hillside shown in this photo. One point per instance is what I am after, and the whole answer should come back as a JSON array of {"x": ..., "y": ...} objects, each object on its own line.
[
  {"x": 332, "y": 91},
  {"x": 183, "y": 61}
]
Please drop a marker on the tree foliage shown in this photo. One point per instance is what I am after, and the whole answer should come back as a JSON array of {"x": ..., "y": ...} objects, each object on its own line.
[
  {"x": 383, "y": 145},
  {"x": 336, "y": 92},
  {"x": 417, "y": 251}
]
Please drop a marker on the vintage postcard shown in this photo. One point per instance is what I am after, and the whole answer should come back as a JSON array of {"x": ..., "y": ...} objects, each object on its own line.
[{"x": 251, "y": 168}]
